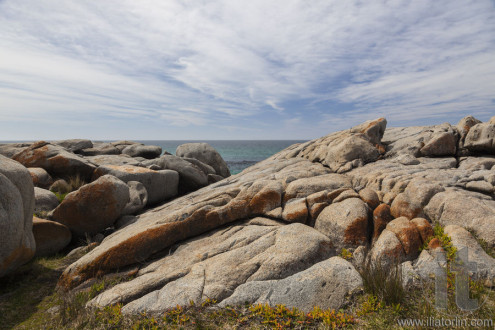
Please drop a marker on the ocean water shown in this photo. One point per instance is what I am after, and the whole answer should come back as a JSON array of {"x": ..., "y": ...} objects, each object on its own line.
[{"x": 238, "y": 154}]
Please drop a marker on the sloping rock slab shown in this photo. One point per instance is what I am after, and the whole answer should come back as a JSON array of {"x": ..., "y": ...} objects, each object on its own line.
[
  {"x": 212, "y": 266},
  {"x": 327, "y": 284}
]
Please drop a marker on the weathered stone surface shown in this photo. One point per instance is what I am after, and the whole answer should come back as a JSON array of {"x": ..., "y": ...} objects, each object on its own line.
[
  {"x": 99, "y": 149},
  {"x": 481, "y": 138},
  {"x": 213, "y": 265},
  {"x": 191, "y": 177},
  {"x": 469, "y": 210},
  {"x": 424, "y": 228},
  {"x": 328, "y": 285},
  {"x": 17, "y": 245},
  {"x": 148, "y": 152},
  {"x": 40, "y": 177},
  {"x": 431, "y": 141},
  {"x": 344, "y": 150},
  {"x": 138, "y": 198},
  {"x": 55, "y": 160},
  {"x": 370, "y": 197},
  {"x": 122, "y": 144},
  {"x": 480, "y": 186},
  {"x": 207, "y": 169},
  {"x": 51, "y": 237},
  {"x": 387, "y": 249},
  {"x": 345, "y": 223},
  {"x": 295, "y": 184},
  {"x": 461, "y": 238},
  {"x": 381, "y": 217},
  {"x": 160, "y": 185},
  {"x": 10, "y": 149},
  {"x": 94, "y": 206},
  {"x": 206, "y": 154},
  {"x": 416, "y": 196},
  {"x": 75, "y": 145},
  {"x": 464, "y": 125},
  {"x": 113, "y": 160},
  {"x": 408, "y": 235},
  {"x": 44, "y": 200}
]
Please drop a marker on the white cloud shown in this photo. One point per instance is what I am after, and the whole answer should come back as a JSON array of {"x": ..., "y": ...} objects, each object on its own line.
[{"x": 220, "y": 62}]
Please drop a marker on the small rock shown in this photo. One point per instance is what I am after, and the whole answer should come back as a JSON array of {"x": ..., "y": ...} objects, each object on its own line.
[
  {"x": 481, "y": 186},
  {"x": 40, "y": 177},
  {"x": 51, "y": 237},
  {"x": 44, "y": 200},
  {"x": 370, "y": 197},
  {"x": 148, "y": 152}
]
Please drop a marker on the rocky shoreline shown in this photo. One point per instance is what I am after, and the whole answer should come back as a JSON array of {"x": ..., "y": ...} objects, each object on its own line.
[{"x": 181, "y": 229}]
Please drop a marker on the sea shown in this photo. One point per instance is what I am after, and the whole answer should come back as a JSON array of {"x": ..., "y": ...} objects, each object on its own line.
[{"x": 238, "y": 154}]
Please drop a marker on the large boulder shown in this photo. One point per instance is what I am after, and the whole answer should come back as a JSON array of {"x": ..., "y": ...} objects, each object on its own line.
[
  {"x": 45, "y": 200},
  {"x": 481, "y": 138},
  {"x": 40, "y": 177},
  {"x": 55, "y": 160},
  {"x": 328, "y": 284},
  {"x": 206, "y": 154},
  {"x": 160, "y": 185},
  {"x": 481, "y": 264},
  {"x": 94, "y": 206},
  {"x": 191, "y": 177},
  {"x": 17, "y": 245},
  {"x": 75, "y": 145},
  {"x": 346, "y": 223},
  {"x": 148, "y": 152},
  {"x": 50, "y": 236},
  {"x": 99, "y": 149}
]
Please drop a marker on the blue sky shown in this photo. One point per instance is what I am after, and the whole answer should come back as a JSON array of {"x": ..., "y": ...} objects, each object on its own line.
[{"x": 231, "y": 69}]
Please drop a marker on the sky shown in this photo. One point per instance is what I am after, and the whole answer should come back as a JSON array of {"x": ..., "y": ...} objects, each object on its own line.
[{"x": 232, "y": 69}]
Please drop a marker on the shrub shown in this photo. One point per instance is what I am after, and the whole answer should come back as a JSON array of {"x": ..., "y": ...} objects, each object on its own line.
[{"x": 384, "y": 282}]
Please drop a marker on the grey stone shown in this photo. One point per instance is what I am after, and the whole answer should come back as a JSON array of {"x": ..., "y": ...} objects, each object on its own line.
[
  {"x": 45, "y": 200},
  {"x": 40, "y": 177},
  {"x": 75, "y": 145},
  {"x": 206, "y": 154},
  {"x": 138, "y": 197},
  {"x": 160, "y": 185},
  {"x": 481, "y": 138},
  {"x": 17, "y": 245},
  {"x": 328, "y": 284},
  {"x": 345, "y": 223},
  {"x": 191, "y": 177},
  {"x": 148, "y": 152}
]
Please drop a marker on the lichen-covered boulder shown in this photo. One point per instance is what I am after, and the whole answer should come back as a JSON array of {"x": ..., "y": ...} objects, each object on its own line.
[
  {"x": 40, "y": 177},
  {"x": 50, "y": 236},
  {"x": 94, "y": 206},
  {"x": 345, "y": 223},
  {"x": 55, "y": 160},
  {"x": 17, "y": 245}
]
